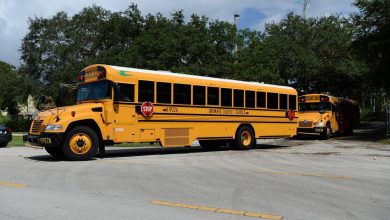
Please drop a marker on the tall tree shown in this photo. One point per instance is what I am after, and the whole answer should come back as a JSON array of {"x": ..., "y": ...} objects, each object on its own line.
[
  {"x": 11, "y": 88},
  {"x": 314, "y": 55},
  {"x": 373, "y": 39}
]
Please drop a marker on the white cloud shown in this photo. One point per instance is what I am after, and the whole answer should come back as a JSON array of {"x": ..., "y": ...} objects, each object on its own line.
[{"x": 14, "y": 14}]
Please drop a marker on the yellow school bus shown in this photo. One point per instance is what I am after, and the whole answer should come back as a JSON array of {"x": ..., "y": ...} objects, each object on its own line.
[
  {"x": 326, "y": 115},
  {"x": 120, "y": 104}
]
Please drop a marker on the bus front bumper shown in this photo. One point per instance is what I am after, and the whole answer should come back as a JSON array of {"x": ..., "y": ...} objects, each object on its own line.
[
  {"x": 44, "y": 140},
  {"x": 315, "y": 130}
]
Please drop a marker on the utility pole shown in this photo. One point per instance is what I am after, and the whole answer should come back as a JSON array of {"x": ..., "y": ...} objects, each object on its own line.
[
  {"x": 305, "y": 6},
  {"x": 236, "y": 16}
]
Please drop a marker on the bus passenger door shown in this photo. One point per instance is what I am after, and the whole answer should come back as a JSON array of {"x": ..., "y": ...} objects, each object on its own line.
[{"x": 124, "y": 111}]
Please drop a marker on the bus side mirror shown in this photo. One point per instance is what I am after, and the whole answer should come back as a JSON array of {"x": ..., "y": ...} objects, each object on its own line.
[{"x": 41, "y": 102}]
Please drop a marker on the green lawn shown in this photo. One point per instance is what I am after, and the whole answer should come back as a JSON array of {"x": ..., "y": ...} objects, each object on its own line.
[
  {"x": 16, "y": 141},
  {"x": 385, "y": 141}
]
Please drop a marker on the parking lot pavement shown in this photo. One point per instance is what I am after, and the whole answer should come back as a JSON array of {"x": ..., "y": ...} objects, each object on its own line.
[{"x": 339, "y": 178}]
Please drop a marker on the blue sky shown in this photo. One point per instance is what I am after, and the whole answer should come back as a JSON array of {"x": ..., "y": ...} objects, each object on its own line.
[{"x": 254, "y": 14}]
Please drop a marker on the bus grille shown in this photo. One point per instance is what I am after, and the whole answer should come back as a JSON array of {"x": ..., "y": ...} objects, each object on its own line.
[
  {"x": 36, "y": 127},
  {"x": 305, "y": 124}
]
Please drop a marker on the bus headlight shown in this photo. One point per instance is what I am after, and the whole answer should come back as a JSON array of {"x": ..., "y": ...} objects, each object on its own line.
[
  {"x": 53, "y": 127},
  {"x": 319, "y": 124}
]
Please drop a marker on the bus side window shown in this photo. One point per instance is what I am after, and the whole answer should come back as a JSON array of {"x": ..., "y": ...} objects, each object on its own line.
[
  {"x": 199, "y": 95},
  {"x": 164, "y": 92},
  {"x": 212, "y": 96},
  {"x": 126, "y": 93},
  {"x": 272, "y": 100},
  {"x": 145, "y": 91},
  {"x": 250, "y": 99},
  {"x": 334, "y": 108},
  {"x": 238, "y": 98},
  {"x": 226, "y": 97},
  {"x": 181, "y": 94},
  {"x": 260, "y": 100},
  {"x": 283, "y": 101},
  {"x": 292, "y": 101}
]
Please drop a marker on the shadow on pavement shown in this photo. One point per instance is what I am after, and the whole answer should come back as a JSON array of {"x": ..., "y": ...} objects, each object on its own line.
[
  {"x": 44, "y": 158},
  {"x": 147, "y": 151},
  {"x": 368, "y": 131}
]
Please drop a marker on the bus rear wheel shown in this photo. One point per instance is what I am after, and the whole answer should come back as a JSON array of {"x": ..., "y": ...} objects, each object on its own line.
[
  {"x": 56, "y": 152},
  {"x": 245, "y": 138},
  {"x": 81, "y": 143}
]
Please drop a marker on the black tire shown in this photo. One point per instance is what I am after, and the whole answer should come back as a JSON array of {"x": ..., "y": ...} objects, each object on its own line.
[
  {"x": 327, "y": 133},
  {"x": 56, "y": 152},
  {"x": 3, "y": 144},
  {"x": 81, "y": 143},
  {"x": 245, "y": 138},
  {"x": 210, "y": 145}
]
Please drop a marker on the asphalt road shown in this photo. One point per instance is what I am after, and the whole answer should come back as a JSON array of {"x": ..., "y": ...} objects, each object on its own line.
[{"x": 340, "y": 178}]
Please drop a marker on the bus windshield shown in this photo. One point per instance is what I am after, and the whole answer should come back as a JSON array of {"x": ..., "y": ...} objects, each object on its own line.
[
  {"x": 94, "y": 91},
  {"x": 316, "y": 106}
]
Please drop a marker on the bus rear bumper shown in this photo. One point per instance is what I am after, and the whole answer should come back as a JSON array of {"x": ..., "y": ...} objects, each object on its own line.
[{"x": 44, "y": 140}]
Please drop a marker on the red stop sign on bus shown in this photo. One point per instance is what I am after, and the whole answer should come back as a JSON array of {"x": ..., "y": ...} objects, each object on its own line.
[
  {"x": 147, "y": 109},
  {"x": 291, "y": 114}
]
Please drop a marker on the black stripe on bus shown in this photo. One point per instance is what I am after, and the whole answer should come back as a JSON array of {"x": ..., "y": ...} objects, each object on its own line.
[
  {"x": 230, "y": 137},
  {"x": 203, "y": 106},
  {"x": 269, "y": 122},
  {"x": 255, "y": 116}
]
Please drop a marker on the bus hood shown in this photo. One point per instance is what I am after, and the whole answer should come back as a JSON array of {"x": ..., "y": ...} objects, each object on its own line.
[
  {"x": 310, "y": 116},
  {"x": 61, "y": 115}
]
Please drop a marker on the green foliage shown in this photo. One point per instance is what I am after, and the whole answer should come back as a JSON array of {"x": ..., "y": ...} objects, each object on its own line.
[
  {"x": 18, "y": 125},
  {"x": 373, "y": 39},
  {"x": 315, "y": 55},
  {"x": 11, "y": 88},
  {"x": 312, "y": 55}
]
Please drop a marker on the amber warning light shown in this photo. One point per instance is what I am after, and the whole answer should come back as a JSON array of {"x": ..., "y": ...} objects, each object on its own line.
[{"x": 96, "y": 74}]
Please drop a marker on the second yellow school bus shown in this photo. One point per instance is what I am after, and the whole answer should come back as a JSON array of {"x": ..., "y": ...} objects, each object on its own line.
[
  {"x": 326, "y": 115},
  {"x": 120, "y": 104}
]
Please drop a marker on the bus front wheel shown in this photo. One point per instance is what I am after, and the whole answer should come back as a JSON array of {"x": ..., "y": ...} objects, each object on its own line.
[
  {"x": 81, "y": 143},
  {"x": 245, "y": 138},
  {"x": 327, "y": 132}
]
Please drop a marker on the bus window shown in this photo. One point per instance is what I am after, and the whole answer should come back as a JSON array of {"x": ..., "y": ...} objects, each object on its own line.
[
  {"x": 261, "y": 100},
  {"x": 292, "y": 101},
  {"x": 238, "y": 98},
  {"x": 283, "y": 101},
  {"x": 126, "y": 93},
  {"x": 199, "y": 95},
  {"x": 145, "y": 91},
  {"x": 250, "y": 99},
  {"x": 181, "y": 94},
  {"x": 272, "y": 99},
  {"x": 334, "y": 108},
  {"x": 163, "y": 92},
  {"x": 212, "y": 96},
  {"x": 226, "y": 97}
]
